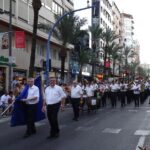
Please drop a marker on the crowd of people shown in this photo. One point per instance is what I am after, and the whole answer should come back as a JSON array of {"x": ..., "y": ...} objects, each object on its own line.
[
  {"x": 86, "y": 95},
  {"x": 9, "y": 97}
]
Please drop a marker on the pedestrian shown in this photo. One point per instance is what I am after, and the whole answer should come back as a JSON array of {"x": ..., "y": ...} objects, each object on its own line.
[
  {"x": 4, "y": 101},
  {"x": 76, "y": 96},
  {"x": 30, "y": 107},
  {"x": 54, "y": 94}
]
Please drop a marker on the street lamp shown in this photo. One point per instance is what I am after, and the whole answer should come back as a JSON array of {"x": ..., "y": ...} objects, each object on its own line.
[
  {"x": 48, "y": 49},
  {"x": 10, "y": 44}
]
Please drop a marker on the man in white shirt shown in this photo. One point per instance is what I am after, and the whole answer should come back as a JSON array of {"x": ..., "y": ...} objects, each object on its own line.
[
  {"x": 30, "y": 107},
  {"x": 136, "y": 91},
  {"x": 76, "y": 95},
  {"x": 54, "y": 94}
]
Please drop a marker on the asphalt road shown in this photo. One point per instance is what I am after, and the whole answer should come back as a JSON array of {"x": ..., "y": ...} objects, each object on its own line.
[{"x": 107, "y": 129}]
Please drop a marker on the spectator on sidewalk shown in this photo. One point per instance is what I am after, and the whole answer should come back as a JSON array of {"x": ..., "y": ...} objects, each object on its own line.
[{"x": 4, "y": 101}]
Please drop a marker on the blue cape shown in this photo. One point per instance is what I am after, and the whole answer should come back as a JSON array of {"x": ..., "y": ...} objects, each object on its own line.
[{"x": 18, "y": 115}]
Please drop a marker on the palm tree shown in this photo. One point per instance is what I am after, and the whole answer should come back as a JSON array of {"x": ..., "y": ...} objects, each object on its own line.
[
  {"x": 128, "y": 53},
  {"x": 115, "y": 54},
  {"x": 83, "y": 58},
  {"x": 96, "y": 33},
  {"x": 108, "y": 37},
  {"x": 67, "y": 31},
  {"x": 36, "y": 7}
]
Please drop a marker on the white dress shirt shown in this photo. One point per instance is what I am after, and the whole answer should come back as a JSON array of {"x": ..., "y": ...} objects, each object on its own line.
[
  {"x": 33, "y": 92},
  {"x": 114, "y": 87},
  {"x": 136, "y": 88},
  {"x": 76, "y": 91},
  {"x": 54, "y": 94},
  {"x": 90, "y": 91}
]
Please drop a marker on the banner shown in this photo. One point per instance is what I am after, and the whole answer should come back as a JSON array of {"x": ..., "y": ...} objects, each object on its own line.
[
  {"x": 18, "y": 117},
  {"x": 19, "y": 39},
  {"x": 107, "y": 64},
  {"x": 4, "y": 41}
]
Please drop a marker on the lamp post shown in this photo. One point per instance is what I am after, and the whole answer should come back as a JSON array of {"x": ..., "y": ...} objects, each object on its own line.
[
  {"x": 10, "y": 44},
  {"x": 48, "y": 49}
]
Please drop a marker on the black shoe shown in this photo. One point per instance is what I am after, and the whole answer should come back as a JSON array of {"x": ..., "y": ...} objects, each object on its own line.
[
  {"x": 75, "y": 119},
  {"x": 33, "y": 132}
]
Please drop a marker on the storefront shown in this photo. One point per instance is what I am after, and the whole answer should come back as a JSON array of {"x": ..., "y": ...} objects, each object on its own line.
[
  {"x": 2, "y": 80},
  {"x": 19, "y": 73}
]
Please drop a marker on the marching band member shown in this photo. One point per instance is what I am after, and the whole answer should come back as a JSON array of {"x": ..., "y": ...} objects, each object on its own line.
[
  {"x": 76, "y": 95},
  {"x": 136, "y": 91}
]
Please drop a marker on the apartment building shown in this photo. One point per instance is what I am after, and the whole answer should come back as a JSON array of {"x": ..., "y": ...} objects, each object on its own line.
[
  {"x": 22, "y": 20},
  {"x": 128, "y": 29},
  {"x": 117, "y": 22},
  {"x": 102, "y": 17}
]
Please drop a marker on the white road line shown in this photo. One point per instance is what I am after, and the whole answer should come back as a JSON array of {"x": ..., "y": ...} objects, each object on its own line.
[
  {"x": 141, "y": 142},
  {"x": 142, "y": 132},
  {"x": 132, "y": 110},
  {"x": 2, "y": 120},
  {"x": 111, "y": 130},
  {"x": 83, "y": 128},
  {"x": 38, "y": 124}
]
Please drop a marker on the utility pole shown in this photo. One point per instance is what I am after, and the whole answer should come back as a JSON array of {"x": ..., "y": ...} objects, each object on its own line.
[{"x": 10, "y": 45}]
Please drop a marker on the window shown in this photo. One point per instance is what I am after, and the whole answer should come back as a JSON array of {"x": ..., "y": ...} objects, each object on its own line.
[{"x": 56, "y": 8}]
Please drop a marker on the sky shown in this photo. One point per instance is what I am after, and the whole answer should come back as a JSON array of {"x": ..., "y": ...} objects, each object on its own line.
[{"x": 140, "y": 11}]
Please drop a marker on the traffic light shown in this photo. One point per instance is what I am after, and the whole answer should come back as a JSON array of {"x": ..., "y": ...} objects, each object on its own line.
[
  {"x": 95, "y": 9},
  {"x": 44, "y": 65}
]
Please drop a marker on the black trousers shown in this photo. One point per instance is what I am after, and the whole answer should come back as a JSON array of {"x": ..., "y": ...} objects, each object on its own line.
[
  {"x": 52, "y": 114},
  {"x": 30, "y": 115},
  {"x": 75, "y": 105},
  {"x": 123, "y": 98},
  {"x": 113, "y": 99},
  {"x": 137, "y": 100}
]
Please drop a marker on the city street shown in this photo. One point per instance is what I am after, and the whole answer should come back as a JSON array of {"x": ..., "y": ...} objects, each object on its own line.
[{"x": 108, "y": 129}]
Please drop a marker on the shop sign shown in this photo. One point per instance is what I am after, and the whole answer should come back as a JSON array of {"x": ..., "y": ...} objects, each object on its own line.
[
  {"x": 20, "y": 39},
  {"x": 5, "y": 61}
]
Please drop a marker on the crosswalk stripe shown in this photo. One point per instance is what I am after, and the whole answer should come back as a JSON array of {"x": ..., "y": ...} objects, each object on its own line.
[
  {"x": 142, "y": 132},
  {"x": 132, "y": 110},
  {"x": 111, "y": 130},
  {"x": 81, "y": 128},
  {"x": 141, "y": 142}
]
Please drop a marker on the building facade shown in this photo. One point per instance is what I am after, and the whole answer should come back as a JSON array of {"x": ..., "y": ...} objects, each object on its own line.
[
  {"x": 22, "y": 20},
  {"x": 102, "y": 16},
  {"x": 128, "y": 29}
]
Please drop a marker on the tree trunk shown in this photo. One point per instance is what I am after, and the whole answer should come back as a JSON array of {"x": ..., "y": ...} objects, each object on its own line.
[
  {"x": 36, "y": 7},
  {"x": 63, "y": 55},
  {"x": 104, "y": 69},
  {"x": 80, "y": 73}
]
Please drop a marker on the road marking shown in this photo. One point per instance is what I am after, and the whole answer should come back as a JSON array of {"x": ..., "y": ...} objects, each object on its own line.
[
  {"x": 111, "y": 130},
  {"x": 148, "y": 111},
  {"x": 4, "y": 120},
  {"x": 141, "y": 142},
  {"x": 38, "y": 124},
  {"x": 83, "y": 128},
  {"x": 132, "y": 110},
  {"x": 142, "y": 132}
]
